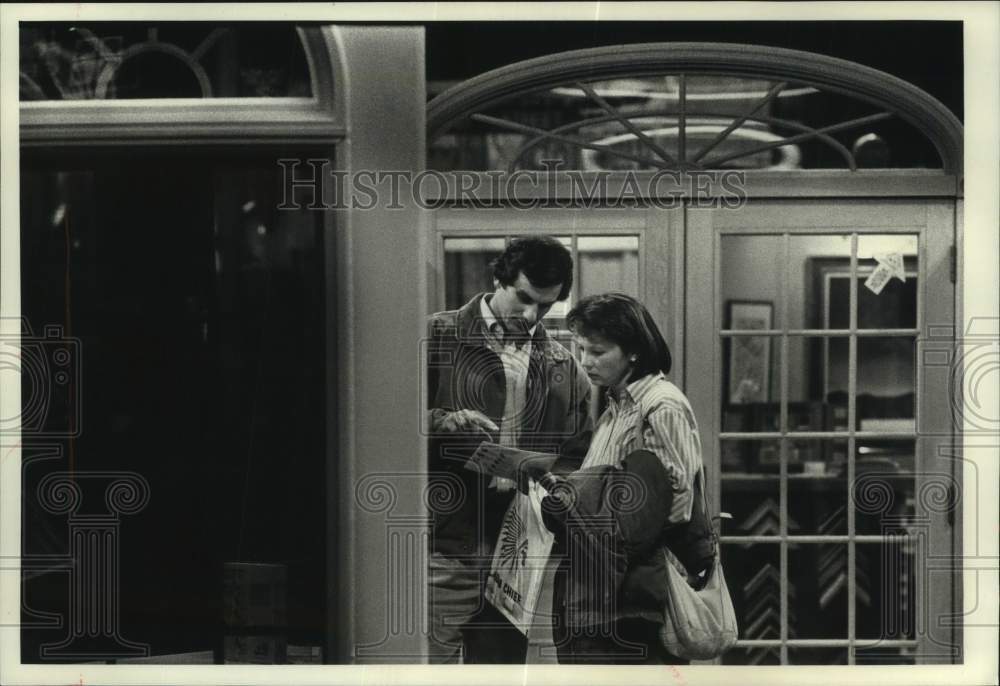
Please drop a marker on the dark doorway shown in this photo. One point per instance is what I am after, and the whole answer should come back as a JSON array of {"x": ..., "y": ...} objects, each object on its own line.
[{"x": 194, "y": 312}]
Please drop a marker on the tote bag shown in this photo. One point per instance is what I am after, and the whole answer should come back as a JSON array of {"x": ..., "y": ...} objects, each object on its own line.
[
  {"x": 519, "y": 559},
  {"x": 698, "y": 624}
]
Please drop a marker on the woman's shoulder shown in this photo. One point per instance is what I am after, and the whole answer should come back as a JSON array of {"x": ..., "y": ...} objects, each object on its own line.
[
  {"x": 661, "y": 395},
  {"x": 659, "y": 390}
]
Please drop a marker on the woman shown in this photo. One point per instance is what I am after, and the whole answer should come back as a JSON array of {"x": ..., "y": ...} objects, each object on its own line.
[{"x": 633, "y": 498}]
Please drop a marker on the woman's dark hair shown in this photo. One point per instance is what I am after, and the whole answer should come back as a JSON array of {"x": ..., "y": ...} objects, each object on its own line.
[
  {"x": 623, "y": 320},
  {"x": 543, "y": 260}
]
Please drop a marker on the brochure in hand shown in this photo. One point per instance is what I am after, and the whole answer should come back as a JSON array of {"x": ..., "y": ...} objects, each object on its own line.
[{"x": 496, "y": 460}]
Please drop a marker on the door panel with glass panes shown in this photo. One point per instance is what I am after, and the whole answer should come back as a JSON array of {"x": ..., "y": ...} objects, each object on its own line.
[
  {"x": 798, "y": 330},
  {"x": 637, "y": 252},
  {"x": 827, "y": 438}
]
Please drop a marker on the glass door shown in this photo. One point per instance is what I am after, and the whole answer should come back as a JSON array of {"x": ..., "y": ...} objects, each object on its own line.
[
  {"x": 827, "y": 432},
  {"x": 632, "y": 251}
]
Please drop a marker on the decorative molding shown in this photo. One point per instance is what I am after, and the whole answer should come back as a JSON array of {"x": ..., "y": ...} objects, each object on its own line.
[{"x": 802, "y": 183}]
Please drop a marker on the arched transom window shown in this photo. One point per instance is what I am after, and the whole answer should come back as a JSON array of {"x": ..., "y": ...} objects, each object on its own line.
[{"x": 689, "y": 106}]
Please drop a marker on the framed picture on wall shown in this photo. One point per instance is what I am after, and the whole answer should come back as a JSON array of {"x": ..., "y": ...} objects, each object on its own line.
[{"x": 748, "y": 365}]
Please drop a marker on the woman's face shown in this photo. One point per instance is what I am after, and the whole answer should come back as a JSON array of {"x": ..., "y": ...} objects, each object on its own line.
[{"x": 605, "y": 363}]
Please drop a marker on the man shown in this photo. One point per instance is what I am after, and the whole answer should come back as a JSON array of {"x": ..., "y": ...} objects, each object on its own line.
[{"x": 494, "y": 373}]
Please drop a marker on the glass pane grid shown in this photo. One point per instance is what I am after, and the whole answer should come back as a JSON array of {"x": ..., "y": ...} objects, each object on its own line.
[
  {"x": 827, "y": 642},
  {"x": 860, "y": 333},
  {"x": 768, "y": 435},
  {"x": 820, "y": 538},
  {"x": 851, "y": 433}
]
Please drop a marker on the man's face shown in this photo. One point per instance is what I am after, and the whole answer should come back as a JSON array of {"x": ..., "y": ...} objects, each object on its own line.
[{"x": 521, "y": 305}]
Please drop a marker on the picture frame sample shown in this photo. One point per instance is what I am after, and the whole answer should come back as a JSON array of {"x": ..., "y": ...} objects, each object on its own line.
[{"x": 749, "y": 360}]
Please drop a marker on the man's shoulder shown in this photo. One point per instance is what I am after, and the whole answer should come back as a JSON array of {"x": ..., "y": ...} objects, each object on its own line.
[
  {"x": 556, "y": 351},
  {"x": 447, "y": 322},
  {"x": 559, "y": 354},
  {"x": 443, "y": 323}
]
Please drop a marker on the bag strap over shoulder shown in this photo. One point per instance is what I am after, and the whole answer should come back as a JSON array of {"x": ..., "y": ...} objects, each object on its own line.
[
  {"x": 699, "y": 479},
  {"x": 687, "y": 542}
]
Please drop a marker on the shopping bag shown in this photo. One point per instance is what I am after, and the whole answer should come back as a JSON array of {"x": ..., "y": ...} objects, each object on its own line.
[
  {"x": 519, "y": 559},
  {"x": 698, "y": 624}
]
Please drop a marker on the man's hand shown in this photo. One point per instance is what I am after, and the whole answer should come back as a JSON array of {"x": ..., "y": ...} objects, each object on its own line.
[{"x": 461, "y": 421}]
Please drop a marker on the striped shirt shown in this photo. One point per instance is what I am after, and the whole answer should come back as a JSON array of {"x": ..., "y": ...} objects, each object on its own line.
[{"x": 669, "y": 431}]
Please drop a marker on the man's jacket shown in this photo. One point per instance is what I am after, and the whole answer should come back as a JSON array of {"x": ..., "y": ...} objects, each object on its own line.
[{"x": 464, "y": 373}]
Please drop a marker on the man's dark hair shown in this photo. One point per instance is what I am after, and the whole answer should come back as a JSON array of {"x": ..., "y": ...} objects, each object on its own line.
[
  {"x": 623, "y": 320},
  {"x": 543, "y": 260}
]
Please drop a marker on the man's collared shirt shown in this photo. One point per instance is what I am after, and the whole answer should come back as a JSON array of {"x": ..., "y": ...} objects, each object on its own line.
[
  {"x": 669, "y": 431},
  {"x": 515, "y": 370},
  {"x": 493, "y": 326}
]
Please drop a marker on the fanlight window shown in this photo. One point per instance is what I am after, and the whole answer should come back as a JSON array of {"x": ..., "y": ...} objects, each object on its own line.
[
  {"x": 687, "y": 107},
  {"x": 107, "y": 61}
]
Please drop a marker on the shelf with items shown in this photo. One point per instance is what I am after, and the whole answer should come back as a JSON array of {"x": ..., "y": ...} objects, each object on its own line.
[{"x": 742, "y": 451}]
